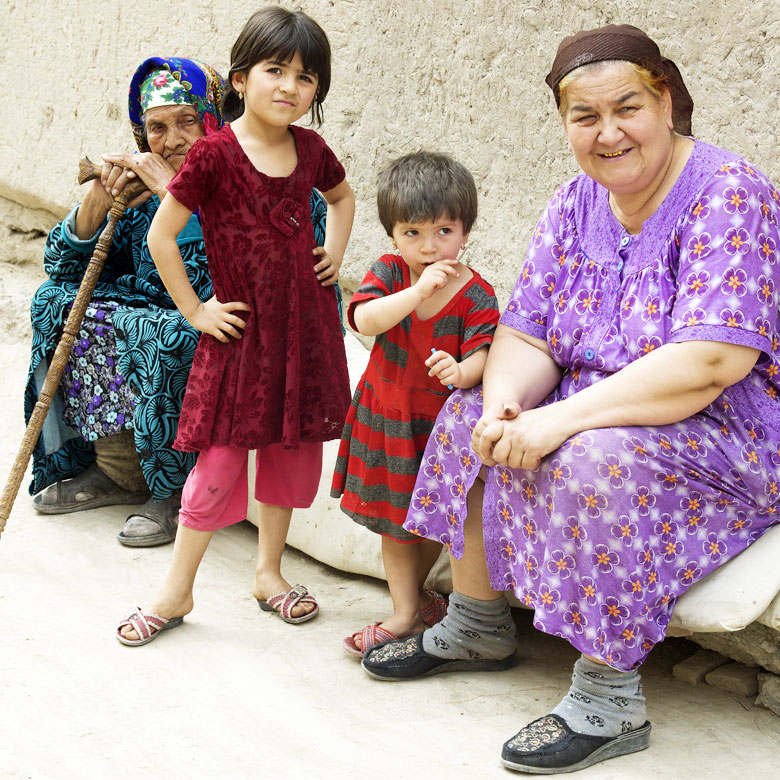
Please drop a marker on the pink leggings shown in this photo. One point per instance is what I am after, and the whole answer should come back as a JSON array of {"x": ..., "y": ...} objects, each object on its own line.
[{"x": 216, "y": 491}]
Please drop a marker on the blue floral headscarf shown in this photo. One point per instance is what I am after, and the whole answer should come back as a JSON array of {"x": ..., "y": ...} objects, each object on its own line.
[{"x": 203, "y": 83}]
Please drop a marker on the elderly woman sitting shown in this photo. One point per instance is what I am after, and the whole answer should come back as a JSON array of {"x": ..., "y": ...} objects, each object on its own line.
[
  {"x": 630, "y": 423},
  {"x": 112, "y": 426}
]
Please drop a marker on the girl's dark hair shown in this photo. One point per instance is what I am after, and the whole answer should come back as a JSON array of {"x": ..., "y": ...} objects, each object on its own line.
[
  {"x": 276, "y": 33},
  {"x": 423, "y": 187}
]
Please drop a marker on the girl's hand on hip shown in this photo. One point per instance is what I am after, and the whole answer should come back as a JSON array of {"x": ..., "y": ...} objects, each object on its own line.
[
  {"x": 215, "y": 318},
  {"x": 531, "y": 436},
  {"x": 435, "y": 276},
  {"x": 443, "y": 366},
  {"x": 490, "y": 428},
  {"x": 327, "y": 270}
]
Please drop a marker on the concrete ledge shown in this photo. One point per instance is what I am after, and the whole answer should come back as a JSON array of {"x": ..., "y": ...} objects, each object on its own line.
[
  {"x": 754, "y": 644},
  {"x": 695, "y": 669},
  {"x": 735, "y": 678}
]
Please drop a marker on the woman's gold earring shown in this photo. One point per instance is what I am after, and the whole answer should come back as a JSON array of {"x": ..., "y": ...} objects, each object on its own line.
[{"x": 240, "y": 95}]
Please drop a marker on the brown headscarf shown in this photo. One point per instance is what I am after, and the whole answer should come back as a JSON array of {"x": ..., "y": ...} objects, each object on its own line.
[{"x": 622, "y": 42}]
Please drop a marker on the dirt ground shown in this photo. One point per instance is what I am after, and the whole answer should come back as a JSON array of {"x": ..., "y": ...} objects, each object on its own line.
[{"x": 236, "y": 693}]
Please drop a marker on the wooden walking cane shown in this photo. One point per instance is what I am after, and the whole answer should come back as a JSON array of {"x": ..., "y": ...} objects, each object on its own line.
[{"x": 87, "y": 171}]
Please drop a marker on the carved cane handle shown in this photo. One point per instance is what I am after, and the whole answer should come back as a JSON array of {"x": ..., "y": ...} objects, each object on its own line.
[{"x": 89, "y": 171}]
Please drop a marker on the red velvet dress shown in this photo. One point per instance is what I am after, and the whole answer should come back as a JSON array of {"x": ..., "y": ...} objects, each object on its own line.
[{"x": 286, "y": 379}]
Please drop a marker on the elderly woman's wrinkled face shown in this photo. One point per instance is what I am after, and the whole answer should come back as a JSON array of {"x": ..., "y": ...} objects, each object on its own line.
[
  {"x": 619, "y": 132},
  {"x": 171, "y": 131}
]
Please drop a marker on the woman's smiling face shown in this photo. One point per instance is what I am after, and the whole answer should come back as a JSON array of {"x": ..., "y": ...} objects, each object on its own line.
[{"x": 619, "y": 132}]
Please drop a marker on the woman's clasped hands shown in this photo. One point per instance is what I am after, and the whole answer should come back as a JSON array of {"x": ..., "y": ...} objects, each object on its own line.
[
  {"x": 120, "y": 169},
  {"x": 509, "y": 436}
]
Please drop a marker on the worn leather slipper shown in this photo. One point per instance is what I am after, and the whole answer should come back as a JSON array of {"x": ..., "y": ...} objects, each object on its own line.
[
  {"x": 155, "y": 523},
  {"x": 89, "y": 490},
  {"x": 548, "y": 746}
]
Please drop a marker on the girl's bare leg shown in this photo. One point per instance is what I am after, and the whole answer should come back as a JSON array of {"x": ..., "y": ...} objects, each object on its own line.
[
  {"x": 174, "y": 599},
  {"x": 403, "y": 564},
  {"x": 428, "y": 553},
  {"x": 273, "y": 525},
  {"x": 407, "y": 567}
]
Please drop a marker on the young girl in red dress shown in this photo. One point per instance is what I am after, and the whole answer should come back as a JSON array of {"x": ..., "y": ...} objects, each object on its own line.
[
  {"x": 270, "y": 371},
  {"x": 433, "y": 319}
]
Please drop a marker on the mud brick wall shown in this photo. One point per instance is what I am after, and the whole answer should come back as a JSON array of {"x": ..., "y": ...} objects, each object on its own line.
[{"x": 461, "y": 76}]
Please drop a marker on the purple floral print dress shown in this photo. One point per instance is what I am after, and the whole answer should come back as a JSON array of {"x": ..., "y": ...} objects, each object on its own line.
[
  {"x": 98, "y": 399},
  {"x": 618, "y": 523}
]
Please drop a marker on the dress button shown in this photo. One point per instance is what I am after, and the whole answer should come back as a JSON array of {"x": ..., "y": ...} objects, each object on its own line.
[
  {"x": 620, "y": 266},
  {"x": 589, "y": 354},
  {"x": 625, "y": 241}
]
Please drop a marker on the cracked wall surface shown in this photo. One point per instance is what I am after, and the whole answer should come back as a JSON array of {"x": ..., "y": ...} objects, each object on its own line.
[{"x": 462, "y": 77}]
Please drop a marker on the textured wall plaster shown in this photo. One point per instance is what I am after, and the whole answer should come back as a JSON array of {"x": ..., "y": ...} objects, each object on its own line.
[{"x": 463, "y": 77}]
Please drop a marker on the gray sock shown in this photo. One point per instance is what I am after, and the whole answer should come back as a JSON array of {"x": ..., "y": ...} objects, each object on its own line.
[
  {"x": 602, "y": 701},
  {"x": 473, "y": 629}
]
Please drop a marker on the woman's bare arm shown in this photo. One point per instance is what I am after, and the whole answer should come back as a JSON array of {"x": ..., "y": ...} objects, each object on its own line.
[{"x": 669, "y": 384}]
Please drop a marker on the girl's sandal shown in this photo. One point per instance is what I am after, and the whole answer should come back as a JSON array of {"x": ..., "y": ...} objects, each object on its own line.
[
  {"x": 436, "y": 610},
  {"x": 146, "y": 626},
  {"x": 282, "y": 604},
  {"x": 370, "y": 636}
]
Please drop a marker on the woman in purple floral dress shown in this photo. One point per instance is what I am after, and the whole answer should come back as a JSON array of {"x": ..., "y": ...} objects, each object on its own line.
[{"x": 630, "y": 424}]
